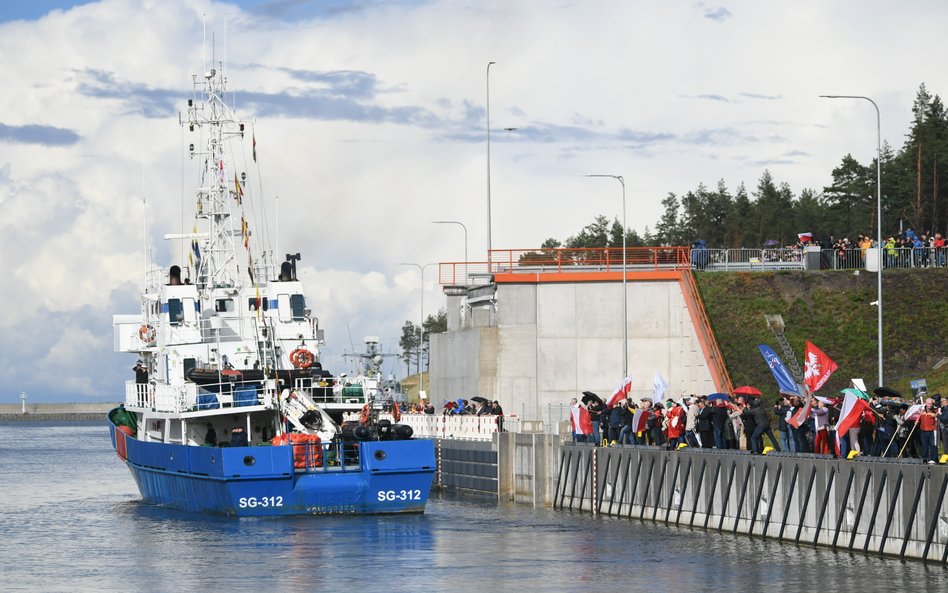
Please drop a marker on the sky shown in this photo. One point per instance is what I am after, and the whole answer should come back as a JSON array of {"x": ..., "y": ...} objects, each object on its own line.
[{"x": 370, "y": 122}]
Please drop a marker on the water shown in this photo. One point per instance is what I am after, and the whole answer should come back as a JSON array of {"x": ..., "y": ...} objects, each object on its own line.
[{"x": 71, "y": 521}]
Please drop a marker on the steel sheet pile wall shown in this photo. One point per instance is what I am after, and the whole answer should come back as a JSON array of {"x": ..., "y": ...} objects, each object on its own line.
[
  {"x": 866, "y": 505},
  {"x": 468, "y": 465}
]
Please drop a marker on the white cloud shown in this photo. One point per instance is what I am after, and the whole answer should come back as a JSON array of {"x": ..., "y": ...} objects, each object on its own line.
[{"x": 594, "y": 87}]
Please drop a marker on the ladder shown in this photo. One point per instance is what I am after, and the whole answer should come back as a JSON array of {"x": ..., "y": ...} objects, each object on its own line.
[{"x": 775, "y": 324}]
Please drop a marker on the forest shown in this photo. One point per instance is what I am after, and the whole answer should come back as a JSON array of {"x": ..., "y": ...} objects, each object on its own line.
[{"x": 914, "y": 195}]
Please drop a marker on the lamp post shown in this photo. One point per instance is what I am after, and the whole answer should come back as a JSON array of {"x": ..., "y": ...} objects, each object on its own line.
[
  {"x": 878, "y": 214},
  {"x": 421, "y": 326},
  {"x": 489, "y": 64},
  {"x": 625, "y": 300},
  {"x": 465, "y": 239}
]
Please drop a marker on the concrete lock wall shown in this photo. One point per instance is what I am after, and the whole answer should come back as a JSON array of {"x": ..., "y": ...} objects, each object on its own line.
[
  {"x": 863, "y": 505},
  {"x": 867, "y": 505},
  {"x": 548, "y": 342}
]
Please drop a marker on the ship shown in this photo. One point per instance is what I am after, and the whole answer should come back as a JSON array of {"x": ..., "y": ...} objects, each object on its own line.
[{"x": 231, "y": 410}]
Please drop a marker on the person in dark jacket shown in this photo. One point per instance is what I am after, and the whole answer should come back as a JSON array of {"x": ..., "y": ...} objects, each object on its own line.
[
  {"x": 749, "y": 424},
  {"x": 704, "y": 425},
  {"x": 761, "y": 427},
  {"x": 238, "y": 438},
  {"x": 781, "y": 409},
  {"x": 595, "y": 408},
  {"x": 718, "y": 421},
  {"x": 615, "y": 422}
]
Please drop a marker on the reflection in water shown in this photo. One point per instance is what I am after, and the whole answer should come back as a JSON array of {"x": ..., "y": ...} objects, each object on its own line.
[{"x": 70, "y": 499}]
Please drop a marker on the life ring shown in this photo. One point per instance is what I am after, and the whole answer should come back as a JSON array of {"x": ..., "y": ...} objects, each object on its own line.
[
  {"x": 147, "y": 333},
  {"x": 396, "y": 412},
  {"x": 302, "y": 358},
  {"x": 364, "y": 415}
]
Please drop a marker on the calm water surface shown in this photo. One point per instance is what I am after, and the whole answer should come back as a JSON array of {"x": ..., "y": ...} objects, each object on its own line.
[{"x": 72, "y": 521}]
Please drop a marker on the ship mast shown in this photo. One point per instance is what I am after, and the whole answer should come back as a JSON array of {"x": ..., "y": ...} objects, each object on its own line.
[{"x": 221, "y": 191}]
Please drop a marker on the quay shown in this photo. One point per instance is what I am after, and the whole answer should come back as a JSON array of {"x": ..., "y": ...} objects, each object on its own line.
[
  {"x": 66, "y": 412},
  {"x": 892, "y": 507}
]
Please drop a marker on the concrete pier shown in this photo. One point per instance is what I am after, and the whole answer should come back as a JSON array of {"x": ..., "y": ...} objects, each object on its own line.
[{"x": 65, "y": 412}]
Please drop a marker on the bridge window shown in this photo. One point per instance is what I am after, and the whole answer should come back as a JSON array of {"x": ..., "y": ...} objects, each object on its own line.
[
  {"x": 298, "y": 306},
  {"x": 224, "y": 305},
  {"x": 252, "y": 303},
  {"x": 175, "y": 311}
]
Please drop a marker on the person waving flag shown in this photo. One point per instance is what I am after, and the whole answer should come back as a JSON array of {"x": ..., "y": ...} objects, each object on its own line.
[{"x": 818, "y": 367}]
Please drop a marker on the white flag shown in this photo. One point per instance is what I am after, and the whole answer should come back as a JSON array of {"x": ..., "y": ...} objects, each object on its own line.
[{"x": 659, "y": 385}]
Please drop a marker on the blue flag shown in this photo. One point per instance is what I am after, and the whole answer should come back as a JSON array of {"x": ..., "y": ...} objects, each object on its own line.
[{"x": 785, "y": 381}]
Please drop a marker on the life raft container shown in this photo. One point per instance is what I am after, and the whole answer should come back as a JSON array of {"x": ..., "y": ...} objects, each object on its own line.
[{"x": 307, "y": 450}]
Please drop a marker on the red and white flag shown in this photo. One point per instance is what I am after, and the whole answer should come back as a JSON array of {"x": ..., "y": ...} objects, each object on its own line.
[
  {"x": 851, "y": 413},
  {"x": 640, "y": 420},
  {"x": 798, "y": 418},
  {"x": 621, "y": 392},
  {"x": 818, "y": 367},
  {"x": 913, "y": 412},
  {"x": 579, "y": 420}
]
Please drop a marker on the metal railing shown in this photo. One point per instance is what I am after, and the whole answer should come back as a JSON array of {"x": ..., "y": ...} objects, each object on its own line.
[
  {"x": 896, "y": 257},
  {"x": 705, "y": 333},
  {"x": 189, "y": 397},
  {"x": 477, "y": 428},
  {"x": 639, "y": 259},
  {"x": 336, "y": 456},
  {"x": 783, "y": 258}
]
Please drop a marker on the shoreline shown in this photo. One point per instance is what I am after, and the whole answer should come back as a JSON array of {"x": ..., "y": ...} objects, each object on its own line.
[{"x": 54, "y": 417}]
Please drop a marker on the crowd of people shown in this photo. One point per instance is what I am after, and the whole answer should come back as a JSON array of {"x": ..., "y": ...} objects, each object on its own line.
[
  {"x": 887, "y": 428},
  {"x": 908, "y": 249},
  {"x": 478, "y": 406}
]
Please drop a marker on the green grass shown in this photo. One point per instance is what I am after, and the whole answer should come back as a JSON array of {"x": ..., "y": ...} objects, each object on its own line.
[{"x": 832, "y": 309}]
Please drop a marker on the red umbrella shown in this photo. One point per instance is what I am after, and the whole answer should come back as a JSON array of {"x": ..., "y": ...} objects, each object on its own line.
[{"x": 747, "y": 390}]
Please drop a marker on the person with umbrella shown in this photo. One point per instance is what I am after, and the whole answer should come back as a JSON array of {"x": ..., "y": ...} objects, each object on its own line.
[{"x": 595, "y": 405}]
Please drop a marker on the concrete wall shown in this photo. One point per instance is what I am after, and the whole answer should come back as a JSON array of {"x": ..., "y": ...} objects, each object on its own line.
[
  {"x": 869, "y": 505},
  {"x": 548, "y": 342}
]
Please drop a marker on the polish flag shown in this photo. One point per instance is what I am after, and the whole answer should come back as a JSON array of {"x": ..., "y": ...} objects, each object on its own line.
[
  {"x": 640, "y": 420},
  {"x": 818, "y": 367},
  {"x": 621, "y": 392},
  {"x": 797, "y": 419},
  {"x": 579, "y": 420},
  {"x": 913, "y": 412},
  {"x": 850, "y": 414}
]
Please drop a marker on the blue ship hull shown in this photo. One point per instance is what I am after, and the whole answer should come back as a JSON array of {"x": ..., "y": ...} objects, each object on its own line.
[{"x": 376, "y": 477}]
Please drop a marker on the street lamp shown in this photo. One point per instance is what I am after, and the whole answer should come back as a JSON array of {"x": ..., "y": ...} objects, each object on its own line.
[
  {"x": 878, "y": 214},
  {"x": 489, "y": 64},
  {"x": 465, "y": 239},
  {"x": 625, "y": 300},
  {"x": 421, "y": 326}
]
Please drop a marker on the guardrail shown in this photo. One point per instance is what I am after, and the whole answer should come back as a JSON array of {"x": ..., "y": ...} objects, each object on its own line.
[
  {"x": 639, "y": 259},
  {"x": 476, "y": 428}
]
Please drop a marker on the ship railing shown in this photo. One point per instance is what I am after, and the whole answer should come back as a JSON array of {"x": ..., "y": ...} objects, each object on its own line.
[
  {"x": 320, "y": 390},
  {"x": 336, "y": 456},
  {"x": 190, "y": 397}
]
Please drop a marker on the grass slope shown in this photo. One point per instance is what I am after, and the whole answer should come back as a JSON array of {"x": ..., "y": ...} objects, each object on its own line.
[{"x": 832, "y": 309}]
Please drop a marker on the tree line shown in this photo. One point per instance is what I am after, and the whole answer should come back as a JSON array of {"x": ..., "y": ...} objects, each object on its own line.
[
  {"x": 914, "y": 195},
  {"x": 412, "y": 338}
]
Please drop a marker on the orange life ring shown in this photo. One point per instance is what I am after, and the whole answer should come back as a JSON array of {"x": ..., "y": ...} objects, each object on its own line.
[
  {"x": 364, "y": 415},
  {"x": 396, "y": 412},
  {"x": 147, "y": 333},
  {"x": 302, "y": 358}
]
